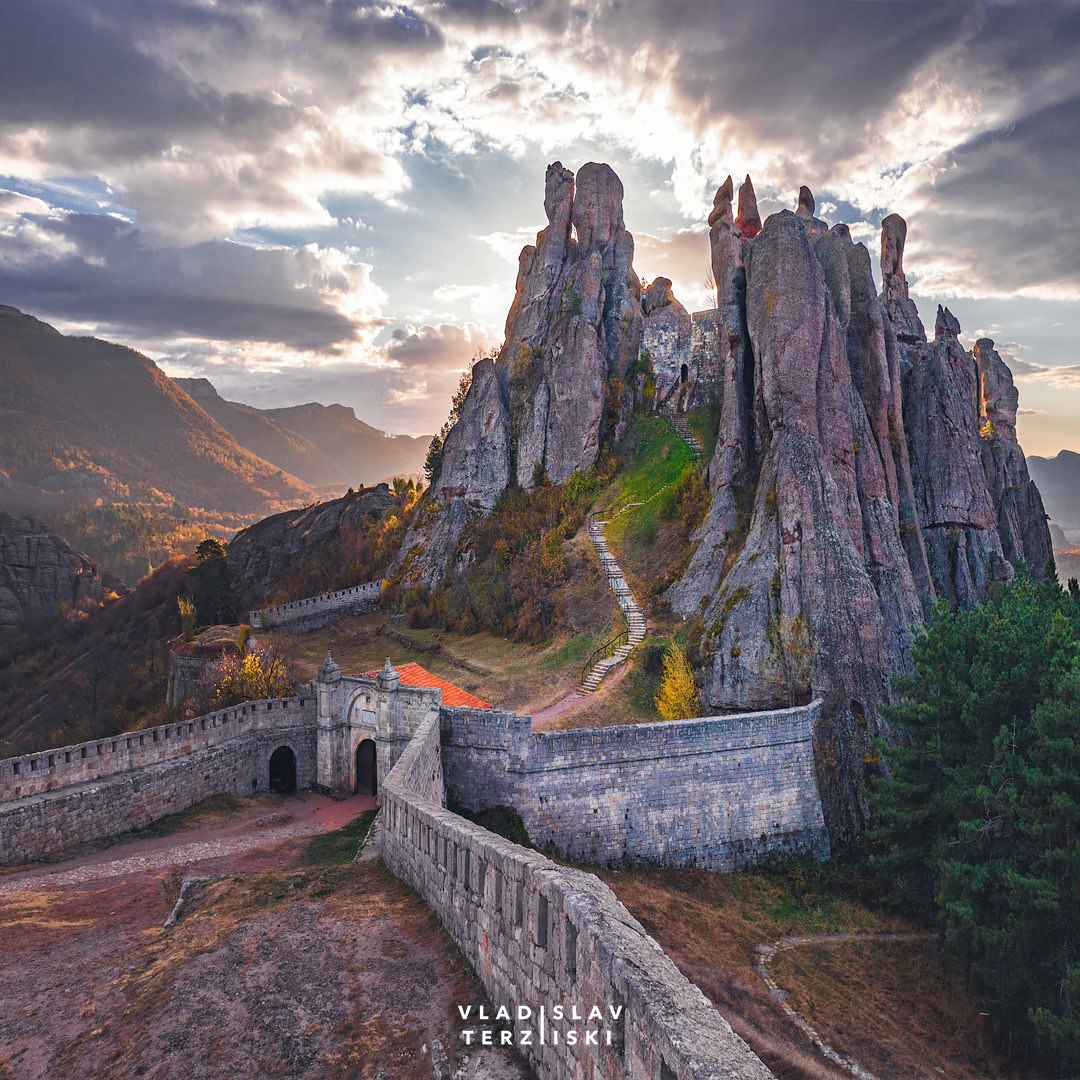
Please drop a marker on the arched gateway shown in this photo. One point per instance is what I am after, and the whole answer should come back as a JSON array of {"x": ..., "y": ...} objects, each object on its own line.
[
  {"x": 283, "y": 771},
  {"x": 367, "y": 773}
]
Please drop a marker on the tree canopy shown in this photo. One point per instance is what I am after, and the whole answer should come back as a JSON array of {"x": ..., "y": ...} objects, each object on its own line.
[{"x": 978, "y": 819}]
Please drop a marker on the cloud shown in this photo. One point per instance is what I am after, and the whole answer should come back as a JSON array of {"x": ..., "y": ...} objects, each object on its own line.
[
  {"x": 97, "y": 269},
  {"x": 1030, "y": 412},
  {"x": 305, "y": 177}
]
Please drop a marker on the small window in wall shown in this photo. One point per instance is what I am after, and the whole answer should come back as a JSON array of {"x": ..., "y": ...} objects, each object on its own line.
[
  {"x": 67, "y": 757},
  {"x": 519, "y": 905},
  {"x": 542, "y": 922},
  {"x": 82, "y": 753},
  {"x": 15, "y": 768},
  {"x": 33, "y": 764},
  {"x": 498, "y": 891},
  {"x": 52, "y": 761},
  {"x": 468, "y": 869},
  {"x": 481, "y": 873}
]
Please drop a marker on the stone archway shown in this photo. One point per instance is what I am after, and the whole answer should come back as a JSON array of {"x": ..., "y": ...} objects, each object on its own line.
[
  {"x": 684, "y": 374},
  {"x": 367, "y": 771},
  {"x": 283, "y": 770}
]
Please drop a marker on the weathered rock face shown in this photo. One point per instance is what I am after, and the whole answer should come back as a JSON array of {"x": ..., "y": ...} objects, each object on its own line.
[
  {"x": 40, "y": 571},
  {"x": 851, "y": 485},
  {"x": 801, "y": 572},
  {"x": 276, "y": 547},
  {"x": 574, "y": 327},
  {"x": 559, "y": 386}
]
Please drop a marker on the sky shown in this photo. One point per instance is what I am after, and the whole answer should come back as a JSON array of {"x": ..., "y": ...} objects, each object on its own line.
[{"x": 314, "y": 200}]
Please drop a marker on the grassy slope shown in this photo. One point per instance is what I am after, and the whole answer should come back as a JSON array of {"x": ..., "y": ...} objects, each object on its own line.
[{"x": 887, "y": 1005}]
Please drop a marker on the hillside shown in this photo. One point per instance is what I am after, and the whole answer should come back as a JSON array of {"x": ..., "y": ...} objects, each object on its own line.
[
  {"x": 365, "y": 454},
  {"x": 1059, "y": 481},
  {"x": 324, "y": 445},
  {"x": 93, "y": 419}
]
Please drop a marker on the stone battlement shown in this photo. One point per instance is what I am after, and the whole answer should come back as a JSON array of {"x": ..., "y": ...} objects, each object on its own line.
[
  {"x": 312, "y": 609},
  {"x": 66, "y": 766},
  {"x": 540, "y": 934},
  {"x": 715, "y": 792}
]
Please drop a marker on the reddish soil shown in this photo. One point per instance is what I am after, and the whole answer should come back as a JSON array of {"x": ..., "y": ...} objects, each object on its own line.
[{"x": 283, "y": 967}]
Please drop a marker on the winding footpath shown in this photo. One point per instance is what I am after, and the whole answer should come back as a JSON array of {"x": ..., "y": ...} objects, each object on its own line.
[{"x": 767, "y": 952}]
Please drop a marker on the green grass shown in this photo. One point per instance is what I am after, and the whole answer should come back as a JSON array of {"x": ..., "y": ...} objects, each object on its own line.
[
  {"x": 339, "y": 847},
  {"x": 573, "y": 651}
]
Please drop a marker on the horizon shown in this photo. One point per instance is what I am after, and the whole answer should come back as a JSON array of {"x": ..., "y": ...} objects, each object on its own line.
[{"x": 219, "y": 190}]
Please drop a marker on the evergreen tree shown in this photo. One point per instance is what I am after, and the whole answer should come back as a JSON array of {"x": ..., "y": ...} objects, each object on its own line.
[
  {"x": 979, "y": 816},
  {"x": 211, "y": 585}
]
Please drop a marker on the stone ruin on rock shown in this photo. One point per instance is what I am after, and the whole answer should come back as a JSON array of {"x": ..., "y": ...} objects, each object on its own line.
[{"x": 861, "y": 470}]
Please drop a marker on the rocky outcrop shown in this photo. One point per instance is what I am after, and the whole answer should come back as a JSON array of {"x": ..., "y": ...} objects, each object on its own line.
[
  {"x": 275, "y": 549},
  {"x": 748, "y": 222},
  {"x": 1021, "y": 517},
  {"x": 859, "y": 473},
  {"x": 559, "y": 387},
  {"x": 41, "y": 572}
]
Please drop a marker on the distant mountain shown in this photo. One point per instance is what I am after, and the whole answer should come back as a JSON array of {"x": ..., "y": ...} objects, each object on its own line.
[
  {"x": 325, "y": 445},
  {"x": 1058, "y": 479},
  {"x": 89, "y": 418}
]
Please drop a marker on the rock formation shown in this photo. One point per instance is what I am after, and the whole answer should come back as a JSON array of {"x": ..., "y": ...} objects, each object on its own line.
[
  {"x": 859, "y": 473},
  {"x": 558, "y": 387},
  {"x": 276, "y": 548},
  {"x": 40, "y": 572}
]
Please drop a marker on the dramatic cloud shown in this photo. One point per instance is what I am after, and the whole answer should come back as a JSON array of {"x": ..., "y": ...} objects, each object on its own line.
[{"x": 328, "y": 198}]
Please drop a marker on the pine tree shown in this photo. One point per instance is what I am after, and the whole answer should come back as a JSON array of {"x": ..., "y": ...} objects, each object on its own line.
[
  {"x": 978, "y": 819},
  {"x": 677, "y": 698}
]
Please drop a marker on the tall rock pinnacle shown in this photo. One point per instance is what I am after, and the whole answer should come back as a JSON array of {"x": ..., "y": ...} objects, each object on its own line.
[{"x": 748, "y": 223}]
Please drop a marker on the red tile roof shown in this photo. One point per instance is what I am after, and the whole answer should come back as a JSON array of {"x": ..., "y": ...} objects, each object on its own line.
[{"x": 414, "y": 675}]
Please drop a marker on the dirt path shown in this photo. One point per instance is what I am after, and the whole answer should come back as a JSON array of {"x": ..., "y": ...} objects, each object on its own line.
[
  {"x": 572, "y": 703},
  {"x": 767, "y": 951},
  {"x": 286, "y": 963},
  {"x": 264, "y": 825}
]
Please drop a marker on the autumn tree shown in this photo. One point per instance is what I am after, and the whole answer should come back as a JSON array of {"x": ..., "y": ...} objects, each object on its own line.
[
  {"x": 677, "y": 698},
  {"x": 251, "y": 676}
]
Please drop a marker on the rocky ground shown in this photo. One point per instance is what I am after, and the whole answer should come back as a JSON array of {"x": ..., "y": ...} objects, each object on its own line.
[{"x": 289, "y": 962}]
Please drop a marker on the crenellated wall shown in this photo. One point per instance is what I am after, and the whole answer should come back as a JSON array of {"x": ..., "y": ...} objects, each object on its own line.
[
  {"x": 717, "y": 792},
  {"x": 137, "y": 784},
  {"x": 80, "y": 763},
  {"x": 539, "y": 935},
  {"x": 315, "y": 611}
]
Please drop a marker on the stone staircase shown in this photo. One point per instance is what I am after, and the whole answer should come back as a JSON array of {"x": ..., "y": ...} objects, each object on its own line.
[
  {"x": 688, "y": 437},
  {"x": 624, "y": 645}
]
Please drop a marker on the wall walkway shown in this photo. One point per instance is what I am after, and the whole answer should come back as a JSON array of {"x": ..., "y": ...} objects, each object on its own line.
[{"x": 539, "y": 935}]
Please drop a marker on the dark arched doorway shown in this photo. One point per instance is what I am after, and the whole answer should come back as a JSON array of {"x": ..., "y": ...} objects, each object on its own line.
[
  {"x": 684, "y": 374},
  {"x": 367, "y": 774},
  {"x": 283, "y": 771}
]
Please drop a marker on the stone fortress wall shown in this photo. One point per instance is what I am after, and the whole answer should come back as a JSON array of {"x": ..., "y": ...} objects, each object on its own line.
[
  {"x": 717, "y": 793},
  {"x": 52, "y": 800},
  {"x": 314, "y": 611},
  {"x": 539, "y": 934}
]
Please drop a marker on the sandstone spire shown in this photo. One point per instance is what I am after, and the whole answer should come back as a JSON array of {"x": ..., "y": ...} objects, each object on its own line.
[
  {"x": 748, "y": 223},
  {"x": 721, "y": 210},
  {"x": 806, "y": 202}
]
